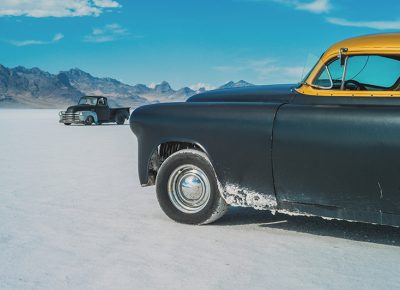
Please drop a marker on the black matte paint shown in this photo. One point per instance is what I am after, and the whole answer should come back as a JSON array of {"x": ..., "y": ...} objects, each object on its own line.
[
  {"x": 271, "y": 93},
  {"x": 236, "y": 137},
  {"x": 342, "y": 156},
  {"x": 330, "y": 156}
]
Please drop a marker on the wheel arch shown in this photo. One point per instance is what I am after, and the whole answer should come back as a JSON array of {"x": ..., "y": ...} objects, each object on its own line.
[
  {"x": 123, "y": 113},
  {"x": 86, "y": 114},
  {"x": 172, "y": 200},
  {"x": 160, "y": 151},
  {"x": 126, "y": 114}
]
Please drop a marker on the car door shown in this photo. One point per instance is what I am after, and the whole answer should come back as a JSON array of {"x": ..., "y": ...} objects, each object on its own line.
[
  {"x": 340, "y": 152},
  {"x": 340, "y": 156},
  {"x": 103, "y": 110}
]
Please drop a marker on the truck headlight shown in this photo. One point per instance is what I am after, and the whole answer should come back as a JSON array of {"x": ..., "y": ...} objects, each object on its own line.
[
  {"x": 60, "y": 113},
  {"x": 80, "y": 113}
]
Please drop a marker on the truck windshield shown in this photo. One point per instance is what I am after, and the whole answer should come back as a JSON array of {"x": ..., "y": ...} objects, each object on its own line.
[{"x": 88, "y": 101}]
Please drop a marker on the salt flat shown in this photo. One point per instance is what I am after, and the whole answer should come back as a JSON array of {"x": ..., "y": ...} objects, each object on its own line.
[{"x": 73, "y": 216}]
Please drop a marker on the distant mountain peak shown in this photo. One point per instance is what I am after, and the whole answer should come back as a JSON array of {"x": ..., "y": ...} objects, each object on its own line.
[
  {"x": 238, "y": 84},
  {"x": 181, "y": 94},
  {"x": 163, "y": 88},
  {"x": 242, "y": 82},
  {"x": 33, "y": 71},
  {"x": 76, "y": 72}
]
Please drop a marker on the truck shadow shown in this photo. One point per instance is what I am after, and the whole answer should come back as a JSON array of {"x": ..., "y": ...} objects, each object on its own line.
[
  {"x": 94, "y": 125},
  {"x": 385, "y": 235}
]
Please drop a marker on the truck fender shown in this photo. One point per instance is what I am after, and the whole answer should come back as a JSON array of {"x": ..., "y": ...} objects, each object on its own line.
[{"x": 84, "y": 114}]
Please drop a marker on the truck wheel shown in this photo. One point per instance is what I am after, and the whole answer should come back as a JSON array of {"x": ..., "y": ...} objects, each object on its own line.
[
  {"x": 120, "y": 119},
  {"x": 67, "y": 124},
  {"x": 89, "y": 120},
  {"x": 187, "y": 188}
]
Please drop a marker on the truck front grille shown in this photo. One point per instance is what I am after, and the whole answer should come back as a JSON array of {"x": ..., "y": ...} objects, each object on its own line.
[{"x": 69, "y": 118}]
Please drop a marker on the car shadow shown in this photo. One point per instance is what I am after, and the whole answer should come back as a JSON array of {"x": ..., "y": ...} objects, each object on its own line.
[
  {"x": 110, "y": 124},
  {"x": 355, "y": 231}
]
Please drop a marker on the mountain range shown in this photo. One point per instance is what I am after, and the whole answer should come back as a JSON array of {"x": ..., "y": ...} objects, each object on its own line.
[{"x": 35, "y": 88}]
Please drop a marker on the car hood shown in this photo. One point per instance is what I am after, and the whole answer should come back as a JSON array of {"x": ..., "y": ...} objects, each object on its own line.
[
  {"x": 78, "y": 108},
  {"x": 270, "y": 93}
]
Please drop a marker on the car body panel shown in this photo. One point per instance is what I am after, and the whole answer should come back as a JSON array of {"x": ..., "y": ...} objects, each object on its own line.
[
  {"x": 234, "y": 135},
  {"x": 338, "y": 156},
  {"x": 270, "y": 93}
]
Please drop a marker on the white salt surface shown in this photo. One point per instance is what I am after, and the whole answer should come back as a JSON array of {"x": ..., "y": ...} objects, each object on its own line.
[{"x": 73, "y": 216}]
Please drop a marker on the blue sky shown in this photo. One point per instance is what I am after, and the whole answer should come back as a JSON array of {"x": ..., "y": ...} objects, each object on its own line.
[{"x": 185, "y": 42}]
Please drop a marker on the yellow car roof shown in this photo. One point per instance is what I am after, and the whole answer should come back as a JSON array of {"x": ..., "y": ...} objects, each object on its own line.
[
  {"x": 374, "y": 42},
  {"x": 384, "y": 43}
]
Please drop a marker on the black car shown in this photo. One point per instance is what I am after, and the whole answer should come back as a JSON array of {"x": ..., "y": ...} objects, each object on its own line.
[{"x": 329, "y": 146}]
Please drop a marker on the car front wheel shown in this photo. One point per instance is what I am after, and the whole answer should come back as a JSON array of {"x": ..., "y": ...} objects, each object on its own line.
[{"x": 187, "y": 188}]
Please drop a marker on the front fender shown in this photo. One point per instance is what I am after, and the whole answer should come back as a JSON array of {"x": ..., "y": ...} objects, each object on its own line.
[
  {"x": 84, "y": 114},
  {"x": 237, "y": 137}
]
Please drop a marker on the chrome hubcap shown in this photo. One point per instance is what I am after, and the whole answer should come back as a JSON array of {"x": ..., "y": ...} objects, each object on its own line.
[{"x": 189, "y": 188}]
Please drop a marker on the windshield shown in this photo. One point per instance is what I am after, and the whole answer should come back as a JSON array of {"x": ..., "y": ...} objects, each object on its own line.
[
  {"x": 311, "y": 63},
  {"x": 88, "y": 101}
]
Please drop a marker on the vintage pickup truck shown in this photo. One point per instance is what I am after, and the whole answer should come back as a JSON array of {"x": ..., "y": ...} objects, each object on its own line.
[
  {"x": 93, "y": 110},
  {"x": 329, "y": 146}
]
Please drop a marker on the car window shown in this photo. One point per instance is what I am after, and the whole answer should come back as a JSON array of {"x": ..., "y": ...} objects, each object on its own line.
[
  {"x": 373, "y": 72},
  {"x": 332, "y": 72},
  {"x": 363, "y": 73}
]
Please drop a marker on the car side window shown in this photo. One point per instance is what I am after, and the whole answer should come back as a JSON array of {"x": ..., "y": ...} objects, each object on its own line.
[
  {"x": 363, "y": 73},
  {"x": 373, "y": 73}
]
